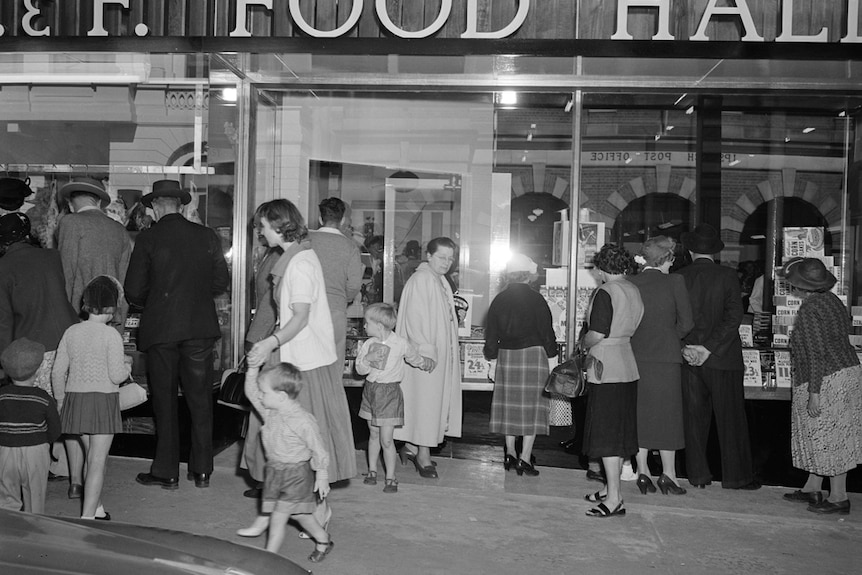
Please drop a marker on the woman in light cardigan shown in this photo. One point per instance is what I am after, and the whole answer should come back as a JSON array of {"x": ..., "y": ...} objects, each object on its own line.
[{"x": 304, "y": 336}]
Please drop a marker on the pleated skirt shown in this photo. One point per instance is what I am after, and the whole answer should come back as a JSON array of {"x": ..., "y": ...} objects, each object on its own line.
[
  {"x": 610, "y": 426},
  {"x": 519, "y": 405},
  {"x": 830, "y": 444},
  {"x": 326, "y": 400},
  {"x": 91, "y": 413}
]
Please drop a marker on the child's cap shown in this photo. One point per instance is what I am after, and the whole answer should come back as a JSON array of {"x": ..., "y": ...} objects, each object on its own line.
[
  {"x": 22, "y": 358},
  {"x": 101, "y": 294}
]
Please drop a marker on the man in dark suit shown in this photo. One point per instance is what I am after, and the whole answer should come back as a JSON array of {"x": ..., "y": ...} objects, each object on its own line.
[
  {"x": 712, "y": 380},
  {"x": 175, "y": 270}
]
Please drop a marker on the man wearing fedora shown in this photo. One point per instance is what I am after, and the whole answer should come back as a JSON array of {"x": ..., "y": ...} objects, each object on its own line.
[
  {"x": 90, "y": 242},
  {"x": 176, "y": 269},
  {"x": 712, "y": 380}
]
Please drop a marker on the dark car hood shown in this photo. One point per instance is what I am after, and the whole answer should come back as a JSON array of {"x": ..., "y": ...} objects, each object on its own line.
[{"x": 31, "y": 544}]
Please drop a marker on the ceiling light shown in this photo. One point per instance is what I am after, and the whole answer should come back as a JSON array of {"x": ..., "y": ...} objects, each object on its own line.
[
  {"x": 787, "y": 139},
  {"x": 508, "y": 98},
  {"x": 758, "y": 237},
  {"x": 680, "y": 99},
  {"x": 669, "y": 128},
  {"x": 842, "y": 114},
  {"x": 690, "y": 110},
  {"x": 530, "y": 137},
  {"x": 568, "y": 107},
  {"x": 538, "y": 211},
  {"x": 808, "y": 130},
  {"x": 734, "y": 162},
  {"x": 228, "y": 94},
  {"x": 531, "y": 217}
]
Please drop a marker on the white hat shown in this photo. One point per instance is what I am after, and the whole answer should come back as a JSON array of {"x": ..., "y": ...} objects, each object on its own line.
[{"x": 521, "y": 263}]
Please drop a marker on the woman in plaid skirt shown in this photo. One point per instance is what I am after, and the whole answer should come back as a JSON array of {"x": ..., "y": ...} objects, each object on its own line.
[{"x": 519, "y": 334}]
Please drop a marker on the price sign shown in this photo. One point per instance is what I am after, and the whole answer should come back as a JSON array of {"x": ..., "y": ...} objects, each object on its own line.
[{"x": 475, "y": 364}]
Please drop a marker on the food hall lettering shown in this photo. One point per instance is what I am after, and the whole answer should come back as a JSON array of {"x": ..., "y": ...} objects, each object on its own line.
[{"x": 797, "y": 21}]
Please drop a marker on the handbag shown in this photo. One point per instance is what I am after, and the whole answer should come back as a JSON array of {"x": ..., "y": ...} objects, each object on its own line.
[
  {"x": 232, "y": 390},
  {"x": 132, "y": 395},
  {"x": 569, "y": 378}
]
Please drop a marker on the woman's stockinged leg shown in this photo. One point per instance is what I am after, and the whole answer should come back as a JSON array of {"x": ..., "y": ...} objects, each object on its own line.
[
  {"x": 613, "y": 466},
  {"x": 641, "y": 460},
  {"x": 838, "y": 488},
  {"x": 510, "y": 446},
  {"x": 423, "y": 455},
  {"x": 668, "y": 463},
  {"x": 527, "y": 447}
]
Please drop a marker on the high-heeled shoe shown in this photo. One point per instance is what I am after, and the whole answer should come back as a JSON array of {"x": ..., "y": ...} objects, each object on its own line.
[
  {"x": 667, "y": 485},
  {"x": 645, "y": 484},
  {"x": 406, "y": 456},
  {"x": 509, "y": 462},
  {"x": 428, "y": 471},
  {"x": 523, "y": 467}
]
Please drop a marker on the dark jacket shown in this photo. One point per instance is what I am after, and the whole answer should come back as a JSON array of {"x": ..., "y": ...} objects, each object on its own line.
[
  {"x": 519, "y": 318},
  {"x": 716, "y": 303},
  {"x": 667, "y": 317},
  {"x": 175, "y": 270},
  {"x": 33, "y": 300}
]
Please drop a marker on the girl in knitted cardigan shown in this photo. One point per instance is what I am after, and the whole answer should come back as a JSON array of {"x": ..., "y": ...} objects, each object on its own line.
[{"x": 89, "y": 367}]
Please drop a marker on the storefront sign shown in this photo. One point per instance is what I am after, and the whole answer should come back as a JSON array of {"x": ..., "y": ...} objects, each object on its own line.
[{"x": 474, "y": 19}]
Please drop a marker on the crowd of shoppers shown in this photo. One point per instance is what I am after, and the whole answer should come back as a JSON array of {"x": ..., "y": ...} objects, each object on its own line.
[{"x": 664, "y": 357}]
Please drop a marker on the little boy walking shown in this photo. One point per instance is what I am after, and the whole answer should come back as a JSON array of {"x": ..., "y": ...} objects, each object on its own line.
[
  {"x": 29, "y": 424},
  {"x": 381, "y": 358}
]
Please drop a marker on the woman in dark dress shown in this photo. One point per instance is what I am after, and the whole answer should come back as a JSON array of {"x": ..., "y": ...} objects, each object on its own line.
[
  {"x": 656, "y": 345},
  {"x": 519, "y": 333},
  {"x": 611, "y": 423}
]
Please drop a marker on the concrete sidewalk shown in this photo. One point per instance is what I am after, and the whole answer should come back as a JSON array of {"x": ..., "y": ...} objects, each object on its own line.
[{"x": 477, "y": 518}]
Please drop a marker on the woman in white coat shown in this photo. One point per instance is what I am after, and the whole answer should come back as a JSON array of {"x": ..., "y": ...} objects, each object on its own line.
[{"x": 427, "y": 318}]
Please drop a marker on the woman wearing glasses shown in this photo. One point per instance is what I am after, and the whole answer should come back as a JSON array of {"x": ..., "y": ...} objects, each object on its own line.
[{"x": 427, "y": 318}]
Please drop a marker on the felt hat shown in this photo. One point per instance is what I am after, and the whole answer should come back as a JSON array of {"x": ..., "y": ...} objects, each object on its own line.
[
  {"x": 12, "y": 193},
  {"x": 86, "y": 185},
  {"x": 703, "y": 240},
  {"x": 809, "y": 274},
  {"x": 14, "y": 227},
  {"x": 166, "y": 189},
  {"x": 520, "y": 263},
  {"x": 22, "y": 358}
]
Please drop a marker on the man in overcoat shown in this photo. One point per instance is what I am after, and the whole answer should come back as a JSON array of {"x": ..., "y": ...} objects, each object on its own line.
[
  {"x": 91, "y": 243},
  {"x": 176, "y": 269},
  {"x": 712, "y": 380}
]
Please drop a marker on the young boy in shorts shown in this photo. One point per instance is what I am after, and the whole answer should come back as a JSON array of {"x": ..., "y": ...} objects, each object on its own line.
[
  {"x": 29, "y": 424},
  {"x": 381, "y": 358}
]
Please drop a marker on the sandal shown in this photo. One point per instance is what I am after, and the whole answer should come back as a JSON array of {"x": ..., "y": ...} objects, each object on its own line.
[
  {"x": 391, "y": 486},
  {"x": 601, "y": 510},
  {"x": 370, "y": 478},
  {"x": 596, "y": 497},
  {"x": 317, "y": 556}
]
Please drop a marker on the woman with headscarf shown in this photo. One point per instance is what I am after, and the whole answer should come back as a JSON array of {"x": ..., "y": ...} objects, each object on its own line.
[
  {"x": 610, "y": 430},
  {"x": 657, "y": 346},
  {"x": 826, "y": 408},
  {"x": 519, "y": 334}
]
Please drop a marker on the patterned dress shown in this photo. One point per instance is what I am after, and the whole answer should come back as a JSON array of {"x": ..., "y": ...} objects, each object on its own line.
[{"x": 824, "y": 362}]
